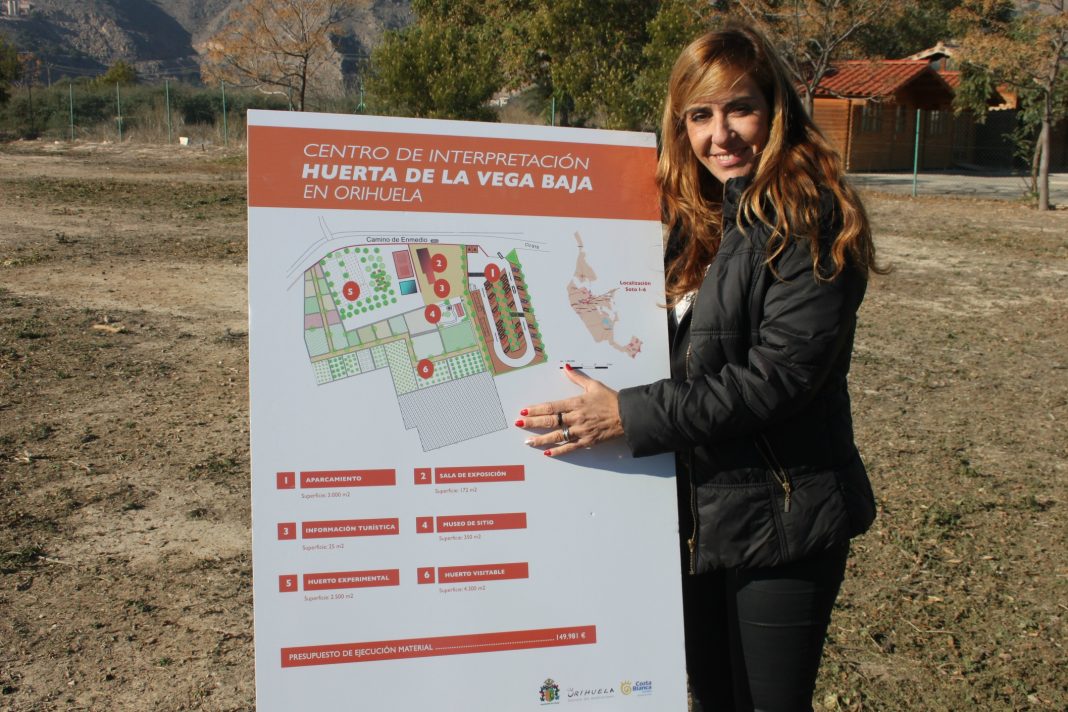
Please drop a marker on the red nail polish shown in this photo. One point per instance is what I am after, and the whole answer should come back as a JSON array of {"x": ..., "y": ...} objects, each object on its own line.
[
  {"x": 519, "y": 423},
  {"x": 548, "y": 453},
  {"x": 567, "y": 367},
  {"x": 524, "y": 412}
]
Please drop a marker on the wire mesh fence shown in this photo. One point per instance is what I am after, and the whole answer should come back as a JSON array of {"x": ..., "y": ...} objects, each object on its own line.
[
  {"x": 174, "y": 112},
  {"x": 169, "y": 112}
]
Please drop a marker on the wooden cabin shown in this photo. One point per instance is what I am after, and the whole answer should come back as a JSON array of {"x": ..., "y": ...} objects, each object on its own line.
[
  {"x": 988, "y": 143},
  {"x": 868, "y": 110}
]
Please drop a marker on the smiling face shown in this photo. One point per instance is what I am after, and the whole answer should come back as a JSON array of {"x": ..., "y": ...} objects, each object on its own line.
[{"x": 728, "y": 130}]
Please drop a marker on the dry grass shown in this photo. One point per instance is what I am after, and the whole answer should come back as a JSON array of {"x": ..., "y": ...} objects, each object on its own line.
[{"x": 124, "y": 552}]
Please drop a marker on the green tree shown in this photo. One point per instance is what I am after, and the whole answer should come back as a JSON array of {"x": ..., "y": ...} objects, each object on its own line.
[
  {"x": 598, "y": 62},
  {"x": 918, "y": 26},
  {"x": 676, "y": 24},
  {"x": 1023, "y": 46},
  {"x": 587, "y": 54},
  {"x": 119, "y": 73},
  {"x": 445, "y": 65}
]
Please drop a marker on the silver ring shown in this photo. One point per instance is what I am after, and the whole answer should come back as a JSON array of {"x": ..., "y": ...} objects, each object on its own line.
[
  {"x": 567, "y": 435},
  {"x": 560, "y": 419}
]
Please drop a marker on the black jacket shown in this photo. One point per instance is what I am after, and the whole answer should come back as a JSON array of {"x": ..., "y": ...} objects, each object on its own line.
[{"x": 757, "y": 409}]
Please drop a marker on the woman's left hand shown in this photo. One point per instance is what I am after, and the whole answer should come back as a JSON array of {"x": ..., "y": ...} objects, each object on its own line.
[{"x": 574, "y": 423}]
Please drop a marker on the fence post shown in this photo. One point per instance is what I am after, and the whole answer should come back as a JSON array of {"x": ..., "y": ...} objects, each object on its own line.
[
  {"x": 118, "y": 109},
  {"x": 226, "y": 133},
  {"x": 70, "y": 93},
  {"x": 29, "y": 95},
  {"x": 552, "y": 112},
  {"x": 167, "y": 95},
  {"x": 916, "y": 153}
]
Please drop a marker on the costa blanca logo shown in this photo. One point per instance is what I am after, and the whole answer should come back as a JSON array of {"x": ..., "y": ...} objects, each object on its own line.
[
  {"x": 624, "y": 687},
  {"x": 642, "y": 687},
  {"x": 550, "y": 692}
]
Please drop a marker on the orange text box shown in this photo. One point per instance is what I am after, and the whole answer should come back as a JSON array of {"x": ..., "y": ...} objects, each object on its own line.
[
  {"x": 491, "y": 473},
  {"x": 481, "y": 522},
  {"x": 348, "y": 478},
  {"x": 351, "y": 579},
  {"x": 373, "y": 170},
  {"x": 483, "y": 572},
  {"x": 441, "y": 645},
  {"x": 331, "y": 528}
]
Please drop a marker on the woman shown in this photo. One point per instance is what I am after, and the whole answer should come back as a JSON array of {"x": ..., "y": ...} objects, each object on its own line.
[{"x": 766, "y": 266}]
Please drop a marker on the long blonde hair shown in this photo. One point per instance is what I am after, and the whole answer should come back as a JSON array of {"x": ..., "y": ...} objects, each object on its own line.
[{"x": 790, "y": 171}]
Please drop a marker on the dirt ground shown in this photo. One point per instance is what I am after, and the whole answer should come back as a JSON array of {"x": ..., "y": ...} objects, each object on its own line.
[{"x": 125, "y": 575}]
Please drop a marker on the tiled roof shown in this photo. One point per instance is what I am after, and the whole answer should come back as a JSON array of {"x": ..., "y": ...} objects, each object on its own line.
[
  {"x": 1003, "y": 97},
  {"x": 951, "y": 78},
  {"x": 868, "y": 78}
]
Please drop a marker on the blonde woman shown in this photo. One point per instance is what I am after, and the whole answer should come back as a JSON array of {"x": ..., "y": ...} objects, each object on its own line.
[{"x": 767, "y": 265}]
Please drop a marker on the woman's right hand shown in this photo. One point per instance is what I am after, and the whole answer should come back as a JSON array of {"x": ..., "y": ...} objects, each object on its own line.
[{"x": 574, "y": 423}]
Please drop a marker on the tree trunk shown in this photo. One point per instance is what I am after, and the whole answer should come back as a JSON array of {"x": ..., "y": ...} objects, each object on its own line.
[
  {"x": 303, "y": 87},
  {"x": 1049, "y": 87},
  {"x": 1036, "y": 155},
  {"x": 563, "y": 110},
  {"x": 1043, "y": 164}
]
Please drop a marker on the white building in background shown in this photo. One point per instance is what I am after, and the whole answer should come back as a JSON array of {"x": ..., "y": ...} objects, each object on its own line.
[{"x": 15, "y": 8}]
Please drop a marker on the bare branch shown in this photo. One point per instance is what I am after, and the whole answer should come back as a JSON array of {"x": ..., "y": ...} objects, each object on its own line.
[{"x": 279, "y": 46}]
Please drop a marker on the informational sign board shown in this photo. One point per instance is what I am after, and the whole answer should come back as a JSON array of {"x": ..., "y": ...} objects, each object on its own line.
[{"x": 412, "y": 285}]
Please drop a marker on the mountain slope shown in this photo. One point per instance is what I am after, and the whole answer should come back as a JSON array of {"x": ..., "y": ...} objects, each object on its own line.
[{"x": 157, "y": 36}]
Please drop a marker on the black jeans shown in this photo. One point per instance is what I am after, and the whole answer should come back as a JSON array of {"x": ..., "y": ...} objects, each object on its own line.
[{"x": 754, "y": 636}]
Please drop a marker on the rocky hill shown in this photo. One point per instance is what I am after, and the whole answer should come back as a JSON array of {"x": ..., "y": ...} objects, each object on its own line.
[{"x": 158, "y": 37}]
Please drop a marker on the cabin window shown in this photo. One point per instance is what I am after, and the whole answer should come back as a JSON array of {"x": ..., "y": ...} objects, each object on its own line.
[
  {"x": 871, "y": 117},
  {"x": 936, "y": 123},
  {"x": 901, "y": 118}
]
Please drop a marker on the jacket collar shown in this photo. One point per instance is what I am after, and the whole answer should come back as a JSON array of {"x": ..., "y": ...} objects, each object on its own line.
[{"x": 732, "y": 195}]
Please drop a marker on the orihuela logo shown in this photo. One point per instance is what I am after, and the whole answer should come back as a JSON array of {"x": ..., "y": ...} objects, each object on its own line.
[
  {"x": 582, "y": 694},
  {"x": 550, "y": 692}
]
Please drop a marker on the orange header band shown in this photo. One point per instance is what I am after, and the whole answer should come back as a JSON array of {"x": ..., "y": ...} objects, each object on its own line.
[{"x": 366, "y": 170}]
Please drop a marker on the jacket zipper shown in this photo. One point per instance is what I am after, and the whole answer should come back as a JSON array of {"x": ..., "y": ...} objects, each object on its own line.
[
  {"x": 692, "y": 542},
  {"x": 693, "y": 516},
  {"x": 777, "y": 471}
]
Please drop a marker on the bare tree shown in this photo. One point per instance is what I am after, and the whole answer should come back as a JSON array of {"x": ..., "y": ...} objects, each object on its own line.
[
  {"x": 811, "y": 34},
  {"x": 1026, "y": 47},
  {"x": 278, "y": 46}
]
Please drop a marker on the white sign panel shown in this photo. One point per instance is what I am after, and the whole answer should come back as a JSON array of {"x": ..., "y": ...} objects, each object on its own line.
[{"x": 412, "y": 285}]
